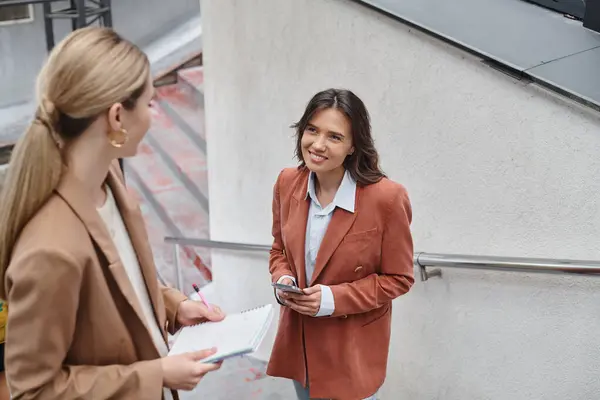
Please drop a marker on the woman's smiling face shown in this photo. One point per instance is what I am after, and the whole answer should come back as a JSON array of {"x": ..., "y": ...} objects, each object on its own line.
[{"x": 326, "y": 141}]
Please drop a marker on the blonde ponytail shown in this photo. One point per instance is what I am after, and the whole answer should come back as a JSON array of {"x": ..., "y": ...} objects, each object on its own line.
[
  {"x": 33, "y": 173},
  {"x": 90, "y": 70}
]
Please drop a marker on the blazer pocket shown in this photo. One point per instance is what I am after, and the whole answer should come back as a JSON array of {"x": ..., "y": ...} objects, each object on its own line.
[
  {"x": 358, "y": 236},
  {"x": 379, "y": 316}
]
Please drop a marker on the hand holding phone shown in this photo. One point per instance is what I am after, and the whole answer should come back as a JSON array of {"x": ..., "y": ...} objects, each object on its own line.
[{"x": 287, "y": 287}]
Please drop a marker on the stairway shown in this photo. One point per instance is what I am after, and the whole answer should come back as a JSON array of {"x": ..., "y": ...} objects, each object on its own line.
[{"x": 169, "y": 177}]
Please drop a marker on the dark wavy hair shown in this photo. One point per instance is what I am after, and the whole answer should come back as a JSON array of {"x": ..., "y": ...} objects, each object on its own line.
[{"x": 363, "y": 164}]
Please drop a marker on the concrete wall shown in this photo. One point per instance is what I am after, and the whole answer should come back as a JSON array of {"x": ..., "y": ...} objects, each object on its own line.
[
  {"x": 143, "y": 21},
  {"x": 492, "y": 166},
  {"x": 23, "y": 46}
]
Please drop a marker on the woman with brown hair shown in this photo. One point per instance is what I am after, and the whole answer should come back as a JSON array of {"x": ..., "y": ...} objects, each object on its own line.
[
  {"x": 341, "y": 233},
  {"x": 88, "y": 318}
]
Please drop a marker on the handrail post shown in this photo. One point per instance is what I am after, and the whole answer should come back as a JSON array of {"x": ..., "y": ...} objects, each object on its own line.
[{"x": 425, "y": 274}]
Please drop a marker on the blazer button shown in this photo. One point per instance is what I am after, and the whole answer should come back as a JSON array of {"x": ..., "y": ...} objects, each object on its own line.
[
  {"x": 358, "y": 268},
  {"x": 344, "y": 316}
]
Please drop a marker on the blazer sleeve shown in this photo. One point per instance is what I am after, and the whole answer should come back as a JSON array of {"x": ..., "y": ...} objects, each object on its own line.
[
  {"x": 172, "y": 298},
  {"x": 396, "y": 274},
  {"x": 43, "y": 293},
  {"x": 278, "y": 264}
]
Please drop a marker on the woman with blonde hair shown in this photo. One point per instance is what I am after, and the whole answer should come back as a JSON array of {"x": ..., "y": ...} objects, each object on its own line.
[{"x": 88, "y": 318}]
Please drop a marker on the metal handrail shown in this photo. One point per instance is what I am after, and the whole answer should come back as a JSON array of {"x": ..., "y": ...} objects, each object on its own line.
[
  {"x": 423, "y": 261},
  {"x": 212, "y": 244},
  {"x": 494, "y": 263}
]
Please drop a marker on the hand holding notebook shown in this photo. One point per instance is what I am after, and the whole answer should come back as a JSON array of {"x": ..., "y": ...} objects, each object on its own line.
[
  {"x": 183, "y": 372},
  {"x": 238, "y": 334}
]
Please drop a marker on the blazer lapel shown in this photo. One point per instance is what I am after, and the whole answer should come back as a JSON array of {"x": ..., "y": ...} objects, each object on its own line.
[
  {"x": 340, "y": 224},
  {"x": 133, "y": 221},
  {"x": 70, "y": 189},
  {"x": 295, "y": 230}
]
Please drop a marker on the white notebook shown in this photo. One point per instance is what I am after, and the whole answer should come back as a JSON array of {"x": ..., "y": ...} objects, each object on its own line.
[{"x": 236, "y": 335}]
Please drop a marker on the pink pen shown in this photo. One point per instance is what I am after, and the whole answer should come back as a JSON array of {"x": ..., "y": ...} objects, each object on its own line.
[{"x": 197, "y": 289}]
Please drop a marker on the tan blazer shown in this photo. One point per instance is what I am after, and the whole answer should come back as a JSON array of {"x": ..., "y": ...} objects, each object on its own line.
[
  {"x": 75, "y": 327},
  {"x": 366, "y": 257}
]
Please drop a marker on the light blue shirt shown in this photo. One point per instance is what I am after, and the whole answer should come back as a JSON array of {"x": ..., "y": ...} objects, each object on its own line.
[{"x": 316, "y": 225}]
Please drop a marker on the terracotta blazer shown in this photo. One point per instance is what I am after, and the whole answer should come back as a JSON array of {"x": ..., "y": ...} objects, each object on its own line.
[
  {"x": 75, "y": 328},
  {"x": 366, "y": 257}
]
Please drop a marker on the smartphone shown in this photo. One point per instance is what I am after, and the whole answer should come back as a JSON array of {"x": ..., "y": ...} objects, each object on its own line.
[{"x": 287, "y": 288}]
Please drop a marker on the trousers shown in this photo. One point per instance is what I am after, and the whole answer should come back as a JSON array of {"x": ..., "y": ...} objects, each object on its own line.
[{"x": 303, "y": 393}]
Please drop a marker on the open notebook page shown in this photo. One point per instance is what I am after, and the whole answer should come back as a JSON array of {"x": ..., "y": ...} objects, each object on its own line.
[{"x": 237, "y": 334}]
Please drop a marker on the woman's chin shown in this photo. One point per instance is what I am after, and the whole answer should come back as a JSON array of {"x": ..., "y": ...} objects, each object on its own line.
[{"x": 318, "y": 167}]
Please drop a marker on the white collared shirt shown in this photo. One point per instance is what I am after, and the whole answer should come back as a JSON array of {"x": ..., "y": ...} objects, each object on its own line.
[{"x": 316, "y": 226}]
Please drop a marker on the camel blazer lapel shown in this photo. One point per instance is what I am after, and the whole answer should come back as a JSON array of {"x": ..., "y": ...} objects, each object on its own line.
[
  {"x": 70, "y": 189},
  {"x": 138, "y": 235}
]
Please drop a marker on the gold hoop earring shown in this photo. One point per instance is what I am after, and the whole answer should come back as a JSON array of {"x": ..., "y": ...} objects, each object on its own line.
[{"x": 118, "y": 138}]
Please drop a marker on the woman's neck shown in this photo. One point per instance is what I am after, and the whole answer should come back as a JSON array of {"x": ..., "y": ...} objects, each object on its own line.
[
  {"x": 90, "y": 167},
  {"x": 327, "y": 184}
]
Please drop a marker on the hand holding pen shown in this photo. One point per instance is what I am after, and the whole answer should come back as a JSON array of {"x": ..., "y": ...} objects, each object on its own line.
[{"x": 191, "y": 312}]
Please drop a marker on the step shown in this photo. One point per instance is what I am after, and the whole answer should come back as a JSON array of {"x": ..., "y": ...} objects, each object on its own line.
[
  {"x": 180, "y": 154},
  {"x": 165, "y": 198},
  {"x": 184, "y": 109},
  {"x": 172, "y": 76},
  {"x": 163, "y": 254},
  {"x": 175, "y": 48},
  {"x": 192, "y": 83},
  {"x": 194, "y": 262}
]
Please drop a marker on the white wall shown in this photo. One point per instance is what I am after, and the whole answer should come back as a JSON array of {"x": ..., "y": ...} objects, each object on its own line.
[{"x": 492, "y": 166}]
